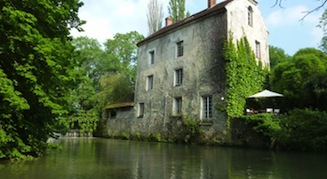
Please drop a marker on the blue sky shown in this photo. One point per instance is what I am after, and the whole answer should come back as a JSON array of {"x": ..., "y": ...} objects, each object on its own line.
[{"x": 108, "y": 17}]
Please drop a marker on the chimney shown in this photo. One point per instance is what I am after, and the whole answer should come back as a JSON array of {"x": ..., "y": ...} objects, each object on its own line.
[
  {"x": 211, "y": 3},
  {"x": 169, "y": 21}
]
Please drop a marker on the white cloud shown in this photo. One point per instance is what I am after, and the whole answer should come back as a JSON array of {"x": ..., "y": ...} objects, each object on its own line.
[
  {"x": 290, "y": 16},
  {"x": 106, "y": 18}
]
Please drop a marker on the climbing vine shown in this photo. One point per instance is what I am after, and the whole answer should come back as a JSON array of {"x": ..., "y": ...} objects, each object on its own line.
[{"x": 245, "y": 76}]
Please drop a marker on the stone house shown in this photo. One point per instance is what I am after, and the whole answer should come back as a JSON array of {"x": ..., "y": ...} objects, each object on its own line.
[{"x": 181, "y": 69}]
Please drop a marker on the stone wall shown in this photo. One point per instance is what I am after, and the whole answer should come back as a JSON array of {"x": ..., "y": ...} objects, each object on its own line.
[{"x": 203, "y": 75}]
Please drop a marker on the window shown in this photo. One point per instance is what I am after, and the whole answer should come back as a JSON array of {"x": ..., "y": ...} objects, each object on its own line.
[
  {"x": 250, "y": 16},
  {"x": 141, "y": 110},
  {"x": 149, "y": 82},
  {"x": 257, "y": 49},
  {"x": 177, "y": 105},
  {"x": 207, "y": 107},
  {"x": 151, "y": 57},
  {"x": 178, "y": 77},
  {"x": 180, "y": 49}
]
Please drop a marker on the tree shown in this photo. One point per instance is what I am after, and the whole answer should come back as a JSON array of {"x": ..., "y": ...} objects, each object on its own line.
[
  {"x": 277, "y": 55},
  {"x": 114, "y": 88},
  {"x": 154, "y": 16},
  {"x": 121, "y": 54},
  {"x": 176, "y": 10},
  {"x": 90, "y": 57},
  {"x": 297, "y": 78},
  {"x": 36, "y": 72}
]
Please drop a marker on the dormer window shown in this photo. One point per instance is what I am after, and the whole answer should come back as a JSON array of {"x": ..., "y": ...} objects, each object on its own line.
[{"x": 250, "y": 16}]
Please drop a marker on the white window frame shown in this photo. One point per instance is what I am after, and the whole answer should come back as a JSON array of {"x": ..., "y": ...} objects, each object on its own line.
[
  {"x": 149, "y": 82},
  {"x": 177, "y": 105},
  {"x": 180, "y": 49},
  {"x": 179, "y": 75},
  {"x": 207, "y": 107}
]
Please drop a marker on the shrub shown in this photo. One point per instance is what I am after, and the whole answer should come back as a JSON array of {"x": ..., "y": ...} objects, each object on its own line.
[{"x": 305, "y": 130}]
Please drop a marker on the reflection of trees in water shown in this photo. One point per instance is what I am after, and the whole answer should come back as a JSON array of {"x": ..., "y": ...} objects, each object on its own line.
[{"x": 106, "y": 158}]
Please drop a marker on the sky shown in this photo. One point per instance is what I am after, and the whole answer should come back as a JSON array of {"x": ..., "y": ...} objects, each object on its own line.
[{"x": 105, "y": 18}]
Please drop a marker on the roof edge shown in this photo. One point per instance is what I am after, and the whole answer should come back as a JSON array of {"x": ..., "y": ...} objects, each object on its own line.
[{"x": 220, "y": 7}]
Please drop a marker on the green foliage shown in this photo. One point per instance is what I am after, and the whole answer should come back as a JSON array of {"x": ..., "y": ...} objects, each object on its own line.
[
  {"x": 244, "y": 75},
  {"x": 85, "y": 121},
  {"x": 126, "y": 135},
  {"x": 176, "y": 10},
  {"x": 192, "y": 129},
  {"x": 301, "y": 129},
  {"x": 105, "y": 76},
  {"x": 121, "y": 53},
  {"x": 266, "y": 124},
  {"x": 36, "y": 72},
  {"x": 304, "y": 130},
  {"x": 277, "y": 56},
  {"x": 115, "y": 88},
  {"x": 91, "y": 58},
  {"x": 300, "y": 79}
]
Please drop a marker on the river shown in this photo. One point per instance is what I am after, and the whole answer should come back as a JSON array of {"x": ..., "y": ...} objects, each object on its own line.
[{"x": 106, "y": 158}]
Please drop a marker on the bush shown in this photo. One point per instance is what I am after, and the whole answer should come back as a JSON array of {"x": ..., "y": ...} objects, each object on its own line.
[
  {"x": 305, "y": 130},
  {"x": 266, "y": 124},
  {"x": 300, "y": 129}
]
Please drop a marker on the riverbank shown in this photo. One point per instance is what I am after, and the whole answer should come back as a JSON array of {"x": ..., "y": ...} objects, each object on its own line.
[{"x": 299, "y": 130}]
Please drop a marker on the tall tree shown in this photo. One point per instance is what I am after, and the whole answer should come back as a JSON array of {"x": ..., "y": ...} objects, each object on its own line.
[
  {"x": 301, "y": 78},
  {"x": 90, "y": 57},
  {"x": 277, "y": 55},
  {"x": 154, "y": 16},
  {"x": 36, "y": 72},
  {"x": 176, "y": 10},
  {"x": 121, "y": 53}
]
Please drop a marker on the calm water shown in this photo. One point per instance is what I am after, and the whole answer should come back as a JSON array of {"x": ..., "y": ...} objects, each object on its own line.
[{"x": 105, "y": 158}]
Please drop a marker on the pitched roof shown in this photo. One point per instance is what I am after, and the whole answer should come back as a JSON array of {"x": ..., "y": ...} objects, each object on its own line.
[
  {"x": 207, "y": 12},
  {"x": 120, "y": 105}
]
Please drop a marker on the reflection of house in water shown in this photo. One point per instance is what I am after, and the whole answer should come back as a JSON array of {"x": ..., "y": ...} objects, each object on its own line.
[{"x": 181, "y": 68}]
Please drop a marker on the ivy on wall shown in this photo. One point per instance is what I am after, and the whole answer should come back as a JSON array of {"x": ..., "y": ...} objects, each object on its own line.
[{"x": 245, "y": 76}]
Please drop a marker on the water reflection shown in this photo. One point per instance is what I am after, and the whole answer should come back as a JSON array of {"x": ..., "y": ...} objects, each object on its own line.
[{"x": 105, "y": 158}]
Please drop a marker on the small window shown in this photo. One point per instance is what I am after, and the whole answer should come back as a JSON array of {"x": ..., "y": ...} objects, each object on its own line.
[
  {"x": 250, "y": 16},
  {"x": 257, "y": 49},
  {"x": 178, "y": 77},
  {"x": 141, "y": 110},
  {"x": 113, "y": 114},
  {"x": 151, "y": 57},
  {"x": 180, "y": 49},
  {"x": 149, "y": 82},
  {"x": 207, "y": 107},
  {"x": 177, "y": 105}
]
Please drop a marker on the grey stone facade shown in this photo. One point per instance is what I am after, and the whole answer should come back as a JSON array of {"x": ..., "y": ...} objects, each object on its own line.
[{"x": 181, "y": 69}]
